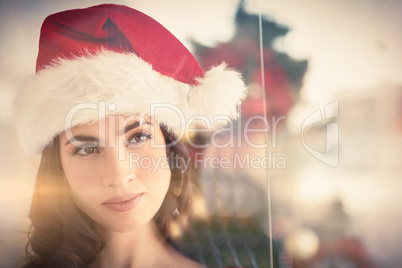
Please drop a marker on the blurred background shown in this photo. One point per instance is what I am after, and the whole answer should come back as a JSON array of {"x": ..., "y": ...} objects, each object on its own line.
[{"x": 333, "y": 85}]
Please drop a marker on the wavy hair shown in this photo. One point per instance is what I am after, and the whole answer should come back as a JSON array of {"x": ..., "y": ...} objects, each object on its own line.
[{"x": 61, "y": 235}]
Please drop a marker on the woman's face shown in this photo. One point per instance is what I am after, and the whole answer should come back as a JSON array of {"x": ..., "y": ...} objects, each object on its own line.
[{"x": 117, "y": 171}]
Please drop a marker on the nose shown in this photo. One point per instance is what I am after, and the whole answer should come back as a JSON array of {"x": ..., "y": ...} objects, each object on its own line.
[{"x": 116, "y": 169}]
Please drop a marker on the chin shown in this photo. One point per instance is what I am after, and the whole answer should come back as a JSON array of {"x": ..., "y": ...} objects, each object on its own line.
[{"x": 126, "y": 223}]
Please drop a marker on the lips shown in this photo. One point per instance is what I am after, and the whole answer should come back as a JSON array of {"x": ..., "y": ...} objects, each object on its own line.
[{"x": 123, "y": 203}]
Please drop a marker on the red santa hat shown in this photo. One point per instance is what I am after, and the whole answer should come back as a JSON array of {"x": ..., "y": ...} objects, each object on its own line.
[{"x": 121, "y": 60}]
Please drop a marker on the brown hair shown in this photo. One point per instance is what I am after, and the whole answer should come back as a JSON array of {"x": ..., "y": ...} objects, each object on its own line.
[{"x": 62, "y": 236}]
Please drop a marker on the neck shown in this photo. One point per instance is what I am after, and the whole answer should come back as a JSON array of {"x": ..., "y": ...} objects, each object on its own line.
[{"x": 137, "y": 248}]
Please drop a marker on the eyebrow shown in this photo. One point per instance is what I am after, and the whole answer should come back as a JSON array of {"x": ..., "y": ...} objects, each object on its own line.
[
  {"x": 93, "y": 139},
  {"x": 135, "y": 125},
  {"x": 82, "y": 138}
]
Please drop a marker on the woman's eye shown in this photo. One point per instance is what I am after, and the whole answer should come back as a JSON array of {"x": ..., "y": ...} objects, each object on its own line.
[
  {"x": 86, "y": 150},
  {"x": 140, "y": 137}
]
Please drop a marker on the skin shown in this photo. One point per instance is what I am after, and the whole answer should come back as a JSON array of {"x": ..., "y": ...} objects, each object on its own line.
[{"x": 98, "y": 167}]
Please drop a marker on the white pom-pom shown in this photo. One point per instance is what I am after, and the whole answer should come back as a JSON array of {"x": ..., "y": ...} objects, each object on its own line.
[{"x": 218, "y": 95}]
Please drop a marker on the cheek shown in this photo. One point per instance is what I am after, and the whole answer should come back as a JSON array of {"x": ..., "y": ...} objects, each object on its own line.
[
  {"x": 79, "y": 174},
  {"x": 83, "y": 181},
  {"x": 161, "y": 181},
  {"x": 158, "y": 185},
  {"x": 154, "y": 171},
  {"x": 85, "y": 191}
]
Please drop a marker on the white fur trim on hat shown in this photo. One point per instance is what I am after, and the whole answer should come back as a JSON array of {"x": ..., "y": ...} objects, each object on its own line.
[{"x": 126, "y": 82}]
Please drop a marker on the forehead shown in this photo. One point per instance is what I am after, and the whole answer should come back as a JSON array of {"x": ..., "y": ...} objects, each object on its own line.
[{"x": 111, "y": 124}]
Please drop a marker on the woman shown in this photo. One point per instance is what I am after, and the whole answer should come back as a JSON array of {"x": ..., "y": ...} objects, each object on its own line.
[{"x": 112, "y": 97}]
